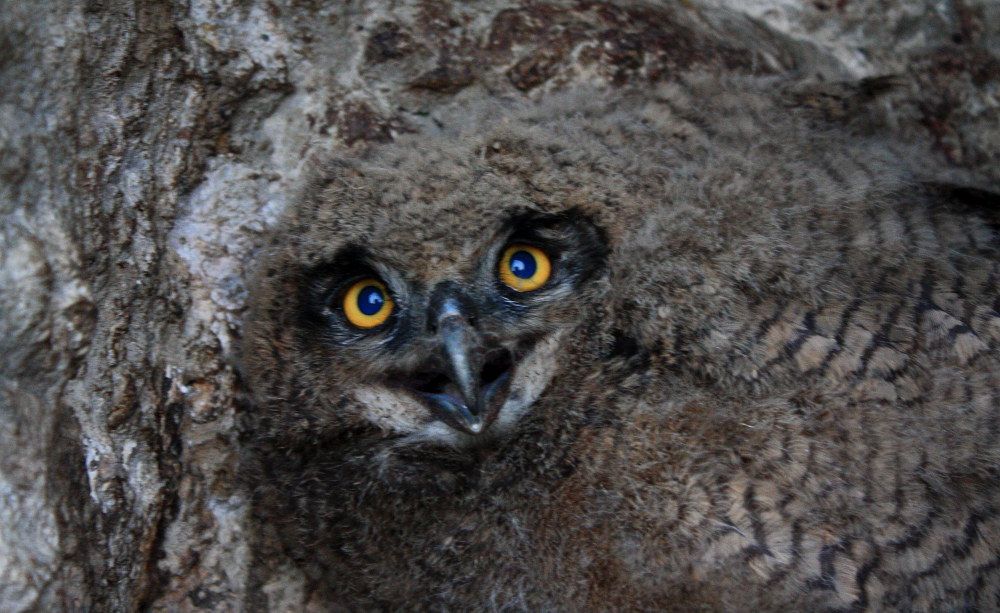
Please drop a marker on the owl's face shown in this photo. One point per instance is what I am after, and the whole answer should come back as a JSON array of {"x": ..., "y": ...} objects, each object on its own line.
[{"x": 424, "y": 321}]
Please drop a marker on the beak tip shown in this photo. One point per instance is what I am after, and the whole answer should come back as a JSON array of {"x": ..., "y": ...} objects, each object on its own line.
[{"x": 454, "y": 413}]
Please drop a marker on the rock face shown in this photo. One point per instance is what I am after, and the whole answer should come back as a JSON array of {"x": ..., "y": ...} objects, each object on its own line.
[{"x": 146, "y": 146}]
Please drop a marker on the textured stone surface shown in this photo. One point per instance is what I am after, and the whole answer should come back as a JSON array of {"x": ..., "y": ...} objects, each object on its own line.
[{"x": 146, "y": 146}]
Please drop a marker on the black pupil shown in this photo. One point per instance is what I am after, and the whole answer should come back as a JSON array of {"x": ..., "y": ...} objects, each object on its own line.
[
  {"x": 522, "y": 264},
  {"x": 370, "y": 300}
]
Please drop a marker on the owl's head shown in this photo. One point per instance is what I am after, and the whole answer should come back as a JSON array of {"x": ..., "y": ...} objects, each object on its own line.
[{"x": 428, "y": 290}]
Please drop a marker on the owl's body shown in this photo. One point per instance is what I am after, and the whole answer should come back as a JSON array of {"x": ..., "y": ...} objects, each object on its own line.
[{"x": 763, "y": 375}]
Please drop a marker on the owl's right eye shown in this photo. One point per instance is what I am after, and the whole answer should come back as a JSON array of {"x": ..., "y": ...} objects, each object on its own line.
[{"x": 367, "y": 304}]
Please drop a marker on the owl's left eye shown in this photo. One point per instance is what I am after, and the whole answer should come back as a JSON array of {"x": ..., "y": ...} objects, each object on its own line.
[
  {"x": 525, "y": 268},
  {"x": 367, "y": 304}
]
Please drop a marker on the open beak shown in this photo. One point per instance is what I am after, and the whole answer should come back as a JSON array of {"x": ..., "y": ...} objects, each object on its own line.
[{"x": 477, "y": 379}]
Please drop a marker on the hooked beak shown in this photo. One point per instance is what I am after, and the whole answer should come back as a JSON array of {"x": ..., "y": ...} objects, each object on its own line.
[{"x": 468, "y": 404}]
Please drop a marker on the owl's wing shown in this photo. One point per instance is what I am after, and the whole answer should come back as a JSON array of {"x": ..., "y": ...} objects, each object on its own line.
[{"x": 882, "y": 484}]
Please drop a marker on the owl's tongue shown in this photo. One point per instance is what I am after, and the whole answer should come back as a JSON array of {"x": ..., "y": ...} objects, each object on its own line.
[{"x": 452, "y": 392}]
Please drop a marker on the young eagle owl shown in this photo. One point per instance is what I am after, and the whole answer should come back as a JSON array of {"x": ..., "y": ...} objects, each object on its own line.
[{"x": 689, "y": 350}]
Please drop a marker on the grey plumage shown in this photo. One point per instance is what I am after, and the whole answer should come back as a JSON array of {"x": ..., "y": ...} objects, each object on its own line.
[{"x": 762, "y": 376}]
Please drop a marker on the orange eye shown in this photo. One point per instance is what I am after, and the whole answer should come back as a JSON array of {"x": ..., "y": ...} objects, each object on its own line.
[
  {"x": 367, "y": 303},
  {"x": 524, "y": 268}
]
